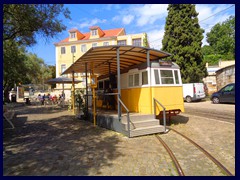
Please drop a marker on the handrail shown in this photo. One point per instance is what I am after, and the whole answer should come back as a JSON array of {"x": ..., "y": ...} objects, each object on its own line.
[
  {"x": 164, "y": 112},
  {"x": 128, "y": 118}
]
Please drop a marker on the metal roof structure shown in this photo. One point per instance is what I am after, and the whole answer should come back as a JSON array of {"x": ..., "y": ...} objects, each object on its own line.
[
  {"x": 103, "y": 59},
  {"x": 63, "y": 80}
]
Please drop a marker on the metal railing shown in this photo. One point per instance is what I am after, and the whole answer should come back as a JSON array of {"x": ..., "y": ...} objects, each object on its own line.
[
  {"x": 155, "y": 101},
  {"x": 128, "y": 117}
]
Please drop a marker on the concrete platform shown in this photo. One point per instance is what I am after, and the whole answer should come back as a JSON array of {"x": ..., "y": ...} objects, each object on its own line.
[{"x": 140, "y": 124}]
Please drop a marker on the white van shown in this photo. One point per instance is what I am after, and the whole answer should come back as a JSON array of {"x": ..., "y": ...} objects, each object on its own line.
[{"x": 193, "y": 92}]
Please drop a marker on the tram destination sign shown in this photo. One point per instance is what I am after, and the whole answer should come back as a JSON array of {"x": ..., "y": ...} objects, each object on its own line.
[{"x": 165, "y": 63}]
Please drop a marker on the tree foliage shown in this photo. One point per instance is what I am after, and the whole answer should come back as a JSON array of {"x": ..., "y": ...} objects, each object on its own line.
[
  {"x": 221, "y": 41},
  {"x": 21, "y": 67},
  {"x": 13, "y": 64},
  {"x": 21, "y": 22},
  {"x": 183, "y": 39},
  {"x": 145, "y": 41}
]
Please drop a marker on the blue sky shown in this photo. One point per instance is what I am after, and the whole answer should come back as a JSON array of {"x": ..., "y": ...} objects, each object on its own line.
[{"x": 135, "y": 18}]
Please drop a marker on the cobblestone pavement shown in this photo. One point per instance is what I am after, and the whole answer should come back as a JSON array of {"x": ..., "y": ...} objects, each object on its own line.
[{"x": 53, "y": 142}]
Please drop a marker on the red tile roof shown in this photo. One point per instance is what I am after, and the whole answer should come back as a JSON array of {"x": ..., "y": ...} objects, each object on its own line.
[{"x": 107, "y": 33}]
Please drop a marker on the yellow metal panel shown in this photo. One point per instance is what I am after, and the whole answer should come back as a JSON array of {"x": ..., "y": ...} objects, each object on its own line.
[
  {"x": 137, "y": 99},
  {"x": 141, "y": 99},
  {"x": 170, "y": 96}
]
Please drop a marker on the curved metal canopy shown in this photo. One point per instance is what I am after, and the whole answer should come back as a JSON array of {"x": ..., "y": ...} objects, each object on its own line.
[
  {"x": 104, "y": 58},
  {"x": 63, "y": 80}
]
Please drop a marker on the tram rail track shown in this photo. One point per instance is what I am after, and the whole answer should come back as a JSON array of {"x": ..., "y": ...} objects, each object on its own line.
[{"x": 223, "y": 169}]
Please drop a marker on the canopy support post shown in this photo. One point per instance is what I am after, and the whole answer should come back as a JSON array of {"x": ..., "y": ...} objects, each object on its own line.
[
  {"x": 119, "y": 85},
  {"x": 86, "y": 81},
  {"x": 150, "y": 84},
  {"x": 73, "y": 93}
]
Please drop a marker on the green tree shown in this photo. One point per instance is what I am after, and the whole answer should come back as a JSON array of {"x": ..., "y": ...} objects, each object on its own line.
[
  {"x": 145, "y": 40},
  {"x": 206, "y": 50},
  {"x": 20, "y": 67},
  {"x": 21, "y": 22},
  {"x": 221, "y": 38},
  {"x": 14, "y": 69},
  {"x": 183, "y": 39},
  {"x": 52, "y": 70},
  {"x": 33, "y": 65}
]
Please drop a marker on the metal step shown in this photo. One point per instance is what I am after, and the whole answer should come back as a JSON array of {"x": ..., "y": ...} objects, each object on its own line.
[
  {"x": 141, "y": 123},
  {"x": 137, "y": 117},
  {"x": 146, "y": 130}
]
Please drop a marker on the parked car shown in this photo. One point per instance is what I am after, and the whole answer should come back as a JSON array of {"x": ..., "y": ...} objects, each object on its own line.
[
  {"x": 224, "y": 95},
  {"x": 193, "y": 92}
]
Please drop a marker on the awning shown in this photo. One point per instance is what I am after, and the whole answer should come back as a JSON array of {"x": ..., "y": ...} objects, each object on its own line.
[
  {"x": 63, "y": 80},
  {"x": 104, "y": 58}
]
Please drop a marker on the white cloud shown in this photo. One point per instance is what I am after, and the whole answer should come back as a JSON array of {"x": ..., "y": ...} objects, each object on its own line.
[
  {"x": 155, "y": 38},
  {"x": 86, "y": 23},
  {"x": 112, "y": 6},
  {"x": 116, "y": 18},
  {"x": 211, "y": 14},
  {"x": 149, "y": 13},
  {"x": 146, "y": 14},
  {"x": 127, "y": 19}
]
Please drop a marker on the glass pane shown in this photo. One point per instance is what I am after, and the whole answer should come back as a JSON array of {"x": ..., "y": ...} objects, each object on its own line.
[
  {"x": 137, "y": 42},
  {"x": 144, "y": 78},
  {"x": 176, "y": 76},
  {"x": 130, "y": 80},
  {"x": 73, "y": 49},
  {"x": 100, "y": 85},
  {"x": 62, "y": 50},
  {"x": 122, "y": 42},
  {"x": 106, "y": 84},
  {"x": 166, "y": 73},
  {"x": 228, "y": 88},
  {"x": 136, "y": 79},
  {"x": 167, "y": 80},
  {"x": 106, "y": 43},
  {"x": 83, "y": 48},
  {"x": 156, "y": 75}
]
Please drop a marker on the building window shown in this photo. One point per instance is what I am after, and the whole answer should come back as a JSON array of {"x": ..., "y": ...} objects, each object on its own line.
[
  {"x": 137, "y": 42},
  {"x": 106, "y": 43},
  {"x": 63, "y": 50},
  {"x": 144, "y": 77},
  {"x": 133, "y": 80},
  {"x": 136, "y": 79},
  {"x": 176, "y": 77},
  {"x": 94, "y": 32},
  {"x": 166, "y": 76},
  {"x": 100, "y": 85},
  {"x": 156, "y": 75},
  {"x": 83, "y": 48},
  {"x": 130, "y": 80},
  {"x": 63, "y": 68},
  {"x": 73, "y": 49},
  {"x": 94, "y": 44},
  {"x": 72, "y": 35},
  {"x": 122, "y": 42},
  {"x": 106, "y": 84}
]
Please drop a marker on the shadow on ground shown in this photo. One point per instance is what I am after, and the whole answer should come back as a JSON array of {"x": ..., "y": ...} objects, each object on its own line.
[
  {"x": 63, "y": 145},
  {"x": 179, "y": 119}
]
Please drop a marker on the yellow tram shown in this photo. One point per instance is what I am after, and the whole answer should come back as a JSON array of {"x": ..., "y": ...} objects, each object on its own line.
[
  {"x": 132, "y": 80},
  {"x": 139, "y": 85}
]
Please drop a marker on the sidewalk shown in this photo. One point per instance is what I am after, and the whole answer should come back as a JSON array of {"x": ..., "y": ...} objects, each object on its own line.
[{"x": 54, "y": 142}]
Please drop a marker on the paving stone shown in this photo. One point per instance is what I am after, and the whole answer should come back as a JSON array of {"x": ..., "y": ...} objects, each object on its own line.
[{"x": 55, "y": 143}]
